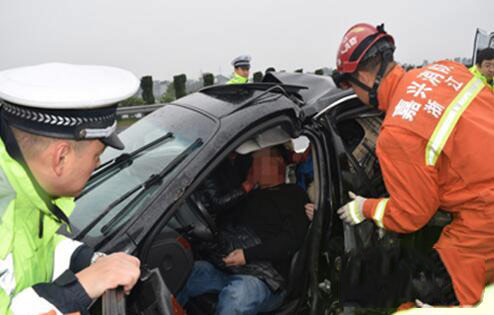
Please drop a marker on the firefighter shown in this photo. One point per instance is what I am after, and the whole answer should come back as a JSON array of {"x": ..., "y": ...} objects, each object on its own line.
[
  {"x": 55, "y": 121},
  {"x": 434, "y": 148},
  {"x": 484, "y": 66},
  {"x": 241, "y": 68}
]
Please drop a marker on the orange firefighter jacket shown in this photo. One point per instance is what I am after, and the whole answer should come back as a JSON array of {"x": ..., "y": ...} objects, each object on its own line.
[{"x": 436, "y": 150}]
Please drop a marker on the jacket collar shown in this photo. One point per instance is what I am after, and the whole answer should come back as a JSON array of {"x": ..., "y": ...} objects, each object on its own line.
[
  {"x": 388, "y": 86},
  {"x": 476, "y": 71}
]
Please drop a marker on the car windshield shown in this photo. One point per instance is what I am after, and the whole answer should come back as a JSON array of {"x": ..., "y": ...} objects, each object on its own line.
[{"x": 114, "y": 182}]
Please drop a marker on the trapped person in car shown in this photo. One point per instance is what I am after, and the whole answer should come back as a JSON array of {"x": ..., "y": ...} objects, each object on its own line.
[
  {"x": 434, "y": 149},
  {"x": 263, "y": 233},
  {"x": 484, "y": 66},
  {"x": 237, "y": 175},
  {"x": 55, "y": 121}
]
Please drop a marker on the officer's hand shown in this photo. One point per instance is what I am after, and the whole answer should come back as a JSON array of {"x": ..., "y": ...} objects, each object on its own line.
[
  {"x": 353, "y": 212},
  {"x": 109, "y": 272},
  {"x": 235, "y": 258},
  {"x": 309, "y": 210}
]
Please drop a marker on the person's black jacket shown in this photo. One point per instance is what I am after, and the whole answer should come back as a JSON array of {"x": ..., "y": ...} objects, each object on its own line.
[
  {"x": 223, "y": 189},
  {"x": 270, "y": 225},
  {"x": 277, "y": 216}
]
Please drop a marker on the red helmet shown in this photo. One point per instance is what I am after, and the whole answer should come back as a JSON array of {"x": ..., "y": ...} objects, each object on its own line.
[{"x": 355, "y": 44}]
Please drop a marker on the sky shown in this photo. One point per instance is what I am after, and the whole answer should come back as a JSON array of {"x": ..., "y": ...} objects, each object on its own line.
[{"x": 163, "y": 38}]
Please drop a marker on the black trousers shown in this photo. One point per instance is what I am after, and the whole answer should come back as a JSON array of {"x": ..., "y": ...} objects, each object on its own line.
[{"x": 385, "y": 277}]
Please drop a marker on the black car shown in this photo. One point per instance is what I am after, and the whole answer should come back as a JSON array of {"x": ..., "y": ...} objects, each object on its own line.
[{"x": 142, "y": 200}]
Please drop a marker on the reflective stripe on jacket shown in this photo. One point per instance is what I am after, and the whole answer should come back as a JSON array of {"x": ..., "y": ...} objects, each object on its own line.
[
  {"x": 475, "y": 70},
  {"x": 237, "y": 79},
  {"x": 25, "y": 258},
  {"x": 435, "y": 150}
]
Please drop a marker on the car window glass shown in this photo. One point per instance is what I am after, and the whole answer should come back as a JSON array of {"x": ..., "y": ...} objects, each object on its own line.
[
  {"x": 183, "y": 217},
  {"x": 186, "y": 216},
  {"x": 169, "y": 119},
  {"x": 364, "y": 151},
  {"x": 359, "y": 137}
]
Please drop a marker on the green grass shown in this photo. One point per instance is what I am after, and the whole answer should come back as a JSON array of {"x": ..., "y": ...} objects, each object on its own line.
[{"x": 122, "y": 124}]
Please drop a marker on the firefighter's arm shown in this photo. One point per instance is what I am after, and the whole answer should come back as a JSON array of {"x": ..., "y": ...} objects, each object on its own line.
[{"x": 412, "y": 186}]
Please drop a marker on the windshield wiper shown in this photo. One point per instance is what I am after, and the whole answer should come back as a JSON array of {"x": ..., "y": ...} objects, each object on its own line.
[
  {"x": 152, "y": 180},
  {"x": 125, "y": 157},
  {"x": 122, "y": 161}
]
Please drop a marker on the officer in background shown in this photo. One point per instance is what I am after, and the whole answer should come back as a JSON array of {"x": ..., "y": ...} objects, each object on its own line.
[
  {"x": 55, "y": 121},
  {"x": 241, "y": 66},
  {"x": 484, "y": 66}
]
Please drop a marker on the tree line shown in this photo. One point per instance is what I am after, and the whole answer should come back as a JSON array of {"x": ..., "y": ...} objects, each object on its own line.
[{"x": 178, "y": 87}]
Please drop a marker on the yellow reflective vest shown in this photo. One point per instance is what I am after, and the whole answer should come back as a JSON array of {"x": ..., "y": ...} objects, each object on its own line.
[
  {"x": 475, "y": 70},
  {"x": 26, "y": 258},
  {"x": 237, "y": 79}
]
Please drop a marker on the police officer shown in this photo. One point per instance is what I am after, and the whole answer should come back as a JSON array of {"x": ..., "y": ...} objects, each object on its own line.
[
  {"x": 55, "y": 121},
  {"x": 241, "y": 66},
  {"x": 484, "y": 66}
]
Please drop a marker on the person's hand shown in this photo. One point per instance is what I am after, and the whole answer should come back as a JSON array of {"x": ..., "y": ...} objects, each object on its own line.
[
  {"x": 235, "y": 258},
  {"x": 353, "y": 212},
  {"x": 309, "y": 210},
  {"x": 109, "y": 272},
  {"x": 248, "y": 186},
  {"x": 421, "y": 304}
]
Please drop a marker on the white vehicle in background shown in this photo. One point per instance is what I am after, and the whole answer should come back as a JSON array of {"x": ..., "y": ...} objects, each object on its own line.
[{"x": 483, "y": 40}]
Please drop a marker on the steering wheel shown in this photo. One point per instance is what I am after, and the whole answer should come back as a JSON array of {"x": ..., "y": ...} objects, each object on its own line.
[{"x": 204, "y": 216}]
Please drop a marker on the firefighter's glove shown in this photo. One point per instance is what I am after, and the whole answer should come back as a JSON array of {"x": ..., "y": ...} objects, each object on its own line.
[{"x": 353, "y": 212}]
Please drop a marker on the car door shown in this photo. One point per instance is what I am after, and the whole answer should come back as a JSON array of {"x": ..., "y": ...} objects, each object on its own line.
[
  {"x": 159, "y": 300},
  {"x": 113, "y": 302},
  {"x": 350, "y": 131},
  {"x": 320, "y": 147}
]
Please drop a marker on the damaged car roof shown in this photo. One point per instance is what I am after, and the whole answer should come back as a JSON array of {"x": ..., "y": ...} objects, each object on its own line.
[{"x": 306, "y": 90}]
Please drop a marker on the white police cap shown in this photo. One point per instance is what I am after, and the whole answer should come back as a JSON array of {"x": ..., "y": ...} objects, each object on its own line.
[
  {"x": 241, "y": 61},
  {"x": 66, "y": 101}
]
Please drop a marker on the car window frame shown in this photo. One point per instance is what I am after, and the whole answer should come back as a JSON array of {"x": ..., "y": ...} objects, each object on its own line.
[
  {"x": 189, "y": 188},
  {"x": 115, "y": 241}
]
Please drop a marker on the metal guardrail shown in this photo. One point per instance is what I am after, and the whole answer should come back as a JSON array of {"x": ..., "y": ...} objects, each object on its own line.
[{"x": 142, "y": 109}]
